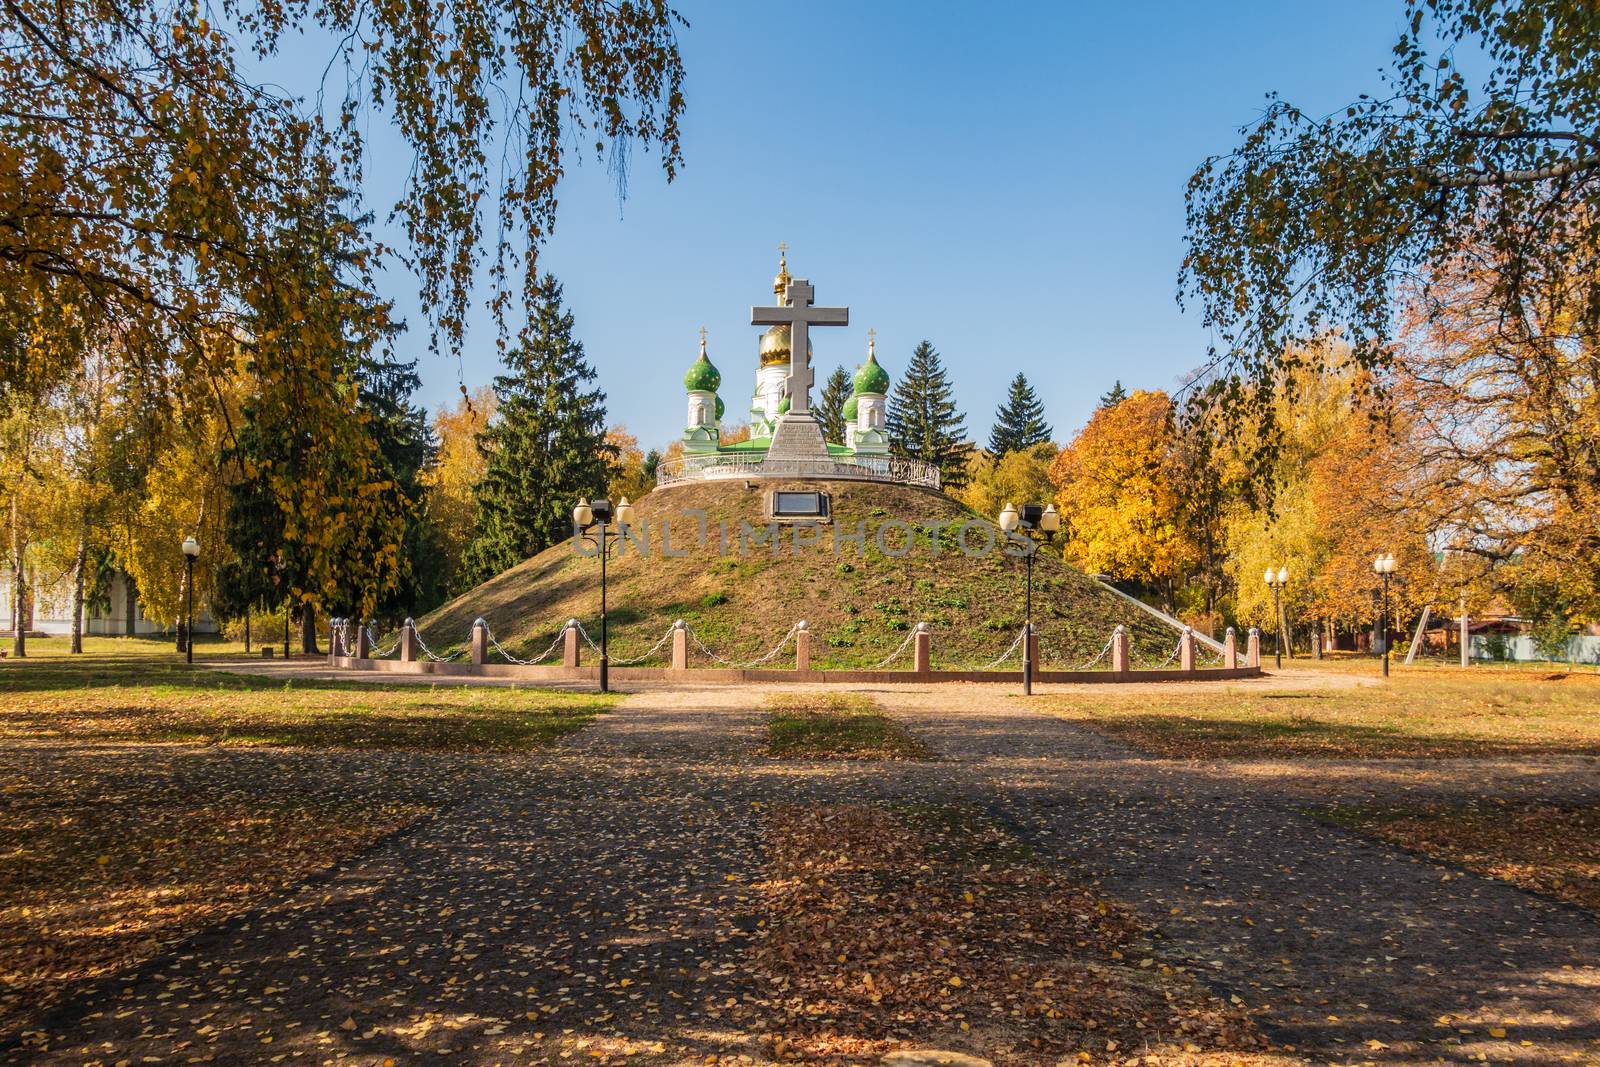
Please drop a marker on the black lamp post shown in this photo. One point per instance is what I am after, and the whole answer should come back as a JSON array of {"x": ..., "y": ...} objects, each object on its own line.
[
  {"x": 1383, "y": 566},
  {"x": 1034, "y": 519},
  {"x": 1277, "y": 579},
  {"x": 191, "y": 549},
  {"x": 585, "y": 517}
]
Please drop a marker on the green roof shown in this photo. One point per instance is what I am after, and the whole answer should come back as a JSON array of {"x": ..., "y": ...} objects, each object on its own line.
[
  {"x": 702, "y": 376},
  {"x": 871, "y": 378},
  {"x": 850, "y": 408}
]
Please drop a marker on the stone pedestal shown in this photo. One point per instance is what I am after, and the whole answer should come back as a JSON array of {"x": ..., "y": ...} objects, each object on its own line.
[
  {"x": 922, "y": 649},
  {"x": 797, "y": 437},
  {"x": 1119, "y": 651},
  {"x": 680, "y": 646},
  {"x": 480, "y": 643},
  {"x": 1186, "y": 651},
  {"x": 408, "y": 643},
  {"x": 802, "y": 649},
  {"x": 1252, "y": 654},
  {"x": 1316, "y": 645},
  {"x": 569, "y": 645},
  {"x": 1230, "y": 650}
]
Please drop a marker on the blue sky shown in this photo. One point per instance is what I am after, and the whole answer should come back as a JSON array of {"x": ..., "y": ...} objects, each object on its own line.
[{"x": 1004, "y": 180}]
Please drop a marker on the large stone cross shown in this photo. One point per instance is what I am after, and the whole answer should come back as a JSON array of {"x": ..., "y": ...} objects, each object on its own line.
[{"x": 799, "y": 316}]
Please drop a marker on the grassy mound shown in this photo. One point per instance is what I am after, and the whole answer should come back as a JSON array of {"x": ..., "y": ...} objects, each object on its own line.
[{"x": 860, "y": 605}]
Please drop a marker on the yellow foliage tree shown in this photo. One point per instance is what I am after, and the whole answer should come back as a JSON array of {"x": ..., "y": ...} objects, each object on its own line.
[
  {"x": 1117, "y": 489},
  {"x": 1021, "y": 476},
  {"x": 457, "y": 466}
]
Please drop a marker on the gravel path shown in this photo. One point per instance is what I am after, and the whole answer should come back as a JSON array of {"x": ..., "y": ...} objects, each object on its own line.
[{"x": 591, "y": 892}]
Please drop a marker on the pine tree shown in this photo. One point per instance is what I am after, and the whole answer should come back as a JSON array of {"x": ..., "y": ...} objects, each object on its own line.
[
  {"x": 1116, "y": 396},
  {"x": 830, "y": 411},
  {"x": 546, "y": 447},
  {"x": 1019, "y": 423},
  {"x": 923, "y": 421}
]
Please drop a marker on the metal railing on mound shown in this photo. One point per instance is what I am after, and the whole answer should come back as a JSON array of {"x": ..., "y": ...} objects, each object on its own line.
[{"x": 757, "y": 465}]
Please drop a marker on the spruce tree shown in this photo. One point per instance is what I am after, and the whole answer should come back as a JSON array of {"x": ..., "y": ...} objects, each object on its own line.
[
  {"x": 923, "y": 421},
  {"x": 1116, "y": 396},
  {"x": 546, "y": 447},
  {"x": 830, "y": 411},
  {"x": 1019, "y": 423}
]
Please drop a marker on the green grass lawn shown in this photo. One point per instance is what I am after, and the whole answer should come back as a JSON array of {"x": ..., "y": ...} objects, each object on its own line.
[
  {"x": 130, "y": 689},
  {"x": 1420, "y": 712},
  {"x": 836, "y": 726}
]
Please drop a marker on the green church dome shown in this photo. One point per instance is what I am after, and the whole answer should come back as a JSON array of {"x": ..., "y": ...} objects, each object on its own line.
[
  {"x": 702, "y": 376},
  {"x": 850, "y": 408},
  {"x": 721, "y": 407},
  {"x": 871, "y": 378}
]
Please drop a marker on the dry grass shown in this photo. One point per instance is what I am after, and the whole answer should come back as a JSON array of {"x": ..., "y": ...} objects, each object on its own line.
[
  {"x": 132, "y": 690},
  {"x": 860, "y": 607},
  {"x": 836, "y": 726},
  {"x": 1421, "y": 713},
  {"x": 935, "y": 927},
  {"x": 1549, "y": 849}
]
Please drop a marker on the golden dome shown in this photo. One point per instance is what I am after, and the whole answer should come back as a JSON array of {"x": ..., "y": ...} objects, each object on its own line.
[{"x": 775, "y": 346}]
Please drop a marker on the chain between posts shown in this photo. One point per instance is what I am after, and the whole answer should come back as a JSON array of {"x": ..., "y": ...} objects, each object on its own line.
[
  {"x": 768, "y": 658},
  {"x": 891, "y": 657},
  {"x": 524, "y": 662}
]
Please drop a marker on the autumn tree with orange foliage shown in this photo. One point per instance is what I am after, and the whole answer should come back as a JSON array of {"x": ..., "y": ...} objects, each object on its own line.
[{"x": 1117, "y": 487}]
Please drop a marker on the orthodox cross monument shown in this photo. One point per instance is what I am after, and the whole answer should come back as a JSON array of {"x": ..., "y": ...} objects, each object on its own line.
[{"x": 798, "y": 434}]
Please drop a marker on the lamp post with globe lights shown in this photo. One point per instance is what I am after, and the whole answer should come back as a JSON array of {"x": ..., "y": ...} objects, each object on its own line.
[
  {"x": 191, "y": 550},
  {"x": 598, "y": 515},
  {"x": 1034, "y": 520},
  {"x": 1277, "y": 579},
  {"x": 1383, "y": 567}
]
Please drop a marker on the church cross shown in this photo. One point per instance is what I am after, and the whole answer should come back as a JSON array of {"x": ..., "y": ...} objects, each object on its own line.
[{"x": 799, "y": 316}]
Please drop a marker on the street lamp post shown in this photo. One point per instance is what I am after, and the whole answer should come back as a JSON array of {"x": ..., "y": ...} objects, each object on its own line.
[
  {"x": 191, "y": 549},
  {"x": 1033, "y": 519},
  {"x": 1277, "y": 579},
  {"x": 1383, "y": 566},
  {"x": 585, "y": 517}
]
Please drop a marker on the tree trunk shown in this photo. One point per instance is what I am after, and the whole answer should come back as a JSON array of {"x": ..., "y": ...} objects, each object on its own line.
[
  {"x": 308, "y": 630},
  {"x": 129, "y": 603},
  {"x": 247, "y": 631},
  {"x": 78, "y": 564}
]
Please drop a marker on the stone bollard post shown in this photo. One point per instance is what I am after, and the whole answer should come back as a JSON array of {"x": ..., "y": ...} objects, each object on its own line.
[
  {"x": 363, "y": 640},
  {"x": 802, "y": 646},
  {"x": 408, "y": 642},
  {"x": 333, "y": 640},
  {"x": 1252, "y": 655},
  {"x": 1033, "y": 648},
  {"x": 1230, "y": 650},
  {"x": 1186, "y": 650},
  {"x": 1316, "y": 645},
  {"x": 569, "y": 644},
  {"x": 1119, "y": 650},
  {"x": 921, "y": 649},
  {"x": 680, "y": 646},
  {"x": 480, "y": 642}
]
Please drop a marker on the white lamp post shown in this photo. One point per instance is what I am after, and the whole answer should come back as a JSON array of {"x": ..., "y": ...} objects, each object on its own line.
[
  {"x": 1046, "y": 520},
  {"x": 191, "y": 549},
  {"x": 586, "y": 516},
  {"x": 1383, "y": 567},
  {"x": 1276, "y": 579}
]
